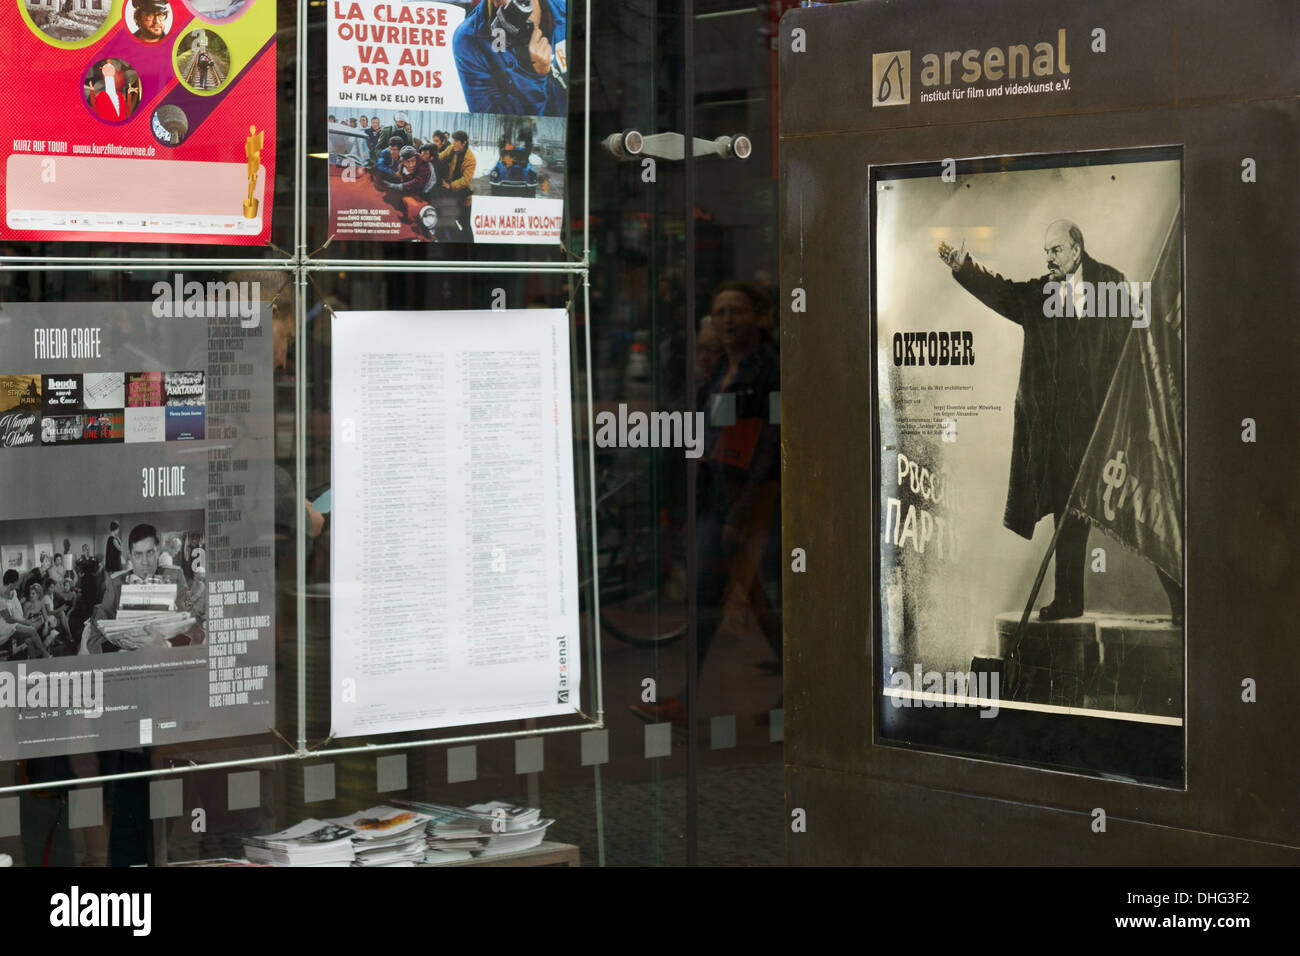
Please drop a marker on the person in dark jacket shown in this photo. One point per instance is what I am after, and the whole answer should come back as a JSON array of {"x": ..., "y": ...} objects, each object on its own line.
[
  {"x": 113, "y": 550},
  {"x": 434, "y": 150},
  {"x": 412, "y": 175},
  {"x": 389, "y": 162},
  {"x": 1069, "y": 357},
  {"x": 405, "y": 190},
  {"x": 399, "y": 130},
  {"x": 511, "y": 65}
]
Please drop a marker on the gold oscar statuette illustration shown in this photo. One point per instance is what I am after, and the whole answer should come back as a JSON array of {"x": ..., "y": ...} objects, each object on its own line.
[{"x": 253, "y": 150}]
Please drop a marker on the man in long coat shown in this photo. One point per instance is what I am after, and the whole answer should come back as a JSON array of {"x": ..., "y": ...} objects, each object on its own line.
[{"x": 1066, "y": 366}]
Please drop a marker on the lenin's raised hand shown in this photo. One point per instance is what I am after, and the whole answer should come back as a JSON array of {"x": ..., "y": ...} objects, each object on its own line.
[{"x": 953, "y": 258}]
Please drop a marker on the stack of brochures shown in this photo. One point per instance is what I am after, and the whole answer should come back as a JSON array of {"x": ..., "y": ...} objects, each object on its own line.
[
  {"x": 310, "y": 843},
  {"x": 134, "y": 629},
  {"x": 135, "y": 599},
  {"x": 386, "y": 836},
  {"x": 485, "y": 829},
  {"x": 217, "y": 862}
]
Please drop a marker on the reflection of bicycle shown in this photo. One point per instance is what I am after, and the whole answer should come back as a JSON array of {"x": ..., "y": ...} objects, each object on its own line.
[{"x": 626, "y": 616}]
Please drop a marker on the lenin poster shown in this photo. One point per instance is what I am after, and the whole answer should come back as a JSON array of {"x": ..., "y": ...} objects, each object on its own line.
[{"x": 1028, "y": 333}]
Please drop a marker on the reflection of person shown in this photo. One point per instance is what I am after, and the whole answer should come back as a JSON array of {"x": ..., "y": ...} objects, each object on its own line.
[
  {"x": 283, "y": 334},
  {"x": 151, "y": 20},
  {"x": 511, "y": 57},
  {"x": 144, "y": 550},
  {"x": 1065, "y": 370},
  {"x": 458, "y": 160},
  {"x": 739, "y": 481},
  {"x": 708, "y": 353}
]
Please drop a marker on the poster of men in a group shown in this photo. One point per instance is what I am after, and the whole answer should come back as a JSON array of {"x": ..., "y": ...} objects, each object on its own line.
[
  {"x": 447, "y": 120},
  {"x": 1029, "y": 350},
  {"x": 137, "y": 523}
]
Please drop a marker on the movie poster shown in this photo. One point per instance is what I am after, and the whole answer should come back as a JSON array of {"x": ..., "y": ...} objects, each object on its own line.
[
  {"x": 139, "y": 120},
  {"x": 139, "y": 587},
  {"x": 1028, "y": 333},
  {"x": 447, "y": 120}
]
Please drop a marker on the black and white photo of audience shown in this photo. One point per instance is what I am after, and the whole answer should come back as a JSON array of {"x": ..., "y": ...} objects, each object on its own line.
[{"x": 72, "y": 603}]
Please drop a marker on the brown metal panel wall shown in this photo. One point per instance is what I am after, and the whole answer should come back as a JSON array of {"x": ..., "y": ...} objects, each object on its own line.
[{"x": 1222, "y": 82}]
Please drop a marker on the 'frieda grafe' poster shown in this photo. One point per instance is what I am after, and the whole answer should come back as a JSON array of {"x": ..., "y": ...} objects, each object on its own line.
[
  {"x": 447, "y": 120},
  {"x": 137, "y": 521},
  {"x": 1028, "y": 330}
]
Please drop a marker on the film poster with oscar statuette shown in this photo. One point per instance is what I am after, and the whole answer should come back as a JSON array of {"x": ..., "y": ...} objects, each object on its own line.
[{"x": 139, "y": 120}]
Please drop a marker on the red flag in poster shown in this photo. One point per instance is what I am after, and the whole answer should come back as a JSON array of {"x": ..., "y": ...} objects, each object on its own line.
[{"x": 1130, "y": 482}]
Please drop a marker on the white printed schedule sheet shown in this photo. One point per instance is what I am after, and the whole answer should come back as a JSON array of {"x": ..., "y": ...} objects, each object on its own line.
[{"x": 454, "y": 595}]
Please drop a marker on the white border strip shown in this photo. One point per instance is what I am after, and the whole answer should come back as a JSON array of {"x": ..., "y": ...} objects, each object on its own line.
[{"x": 986, "y": 702}]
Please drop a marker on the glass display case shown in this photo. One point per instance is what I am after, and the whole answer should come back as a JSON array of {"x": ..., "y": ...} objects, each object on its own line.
[{"x": 551, "y": 178}]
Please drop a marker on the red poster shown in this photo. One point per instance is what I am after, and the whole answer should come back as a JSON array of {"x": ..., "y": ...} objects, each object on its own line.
[{"x": 139, "y": 120}]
